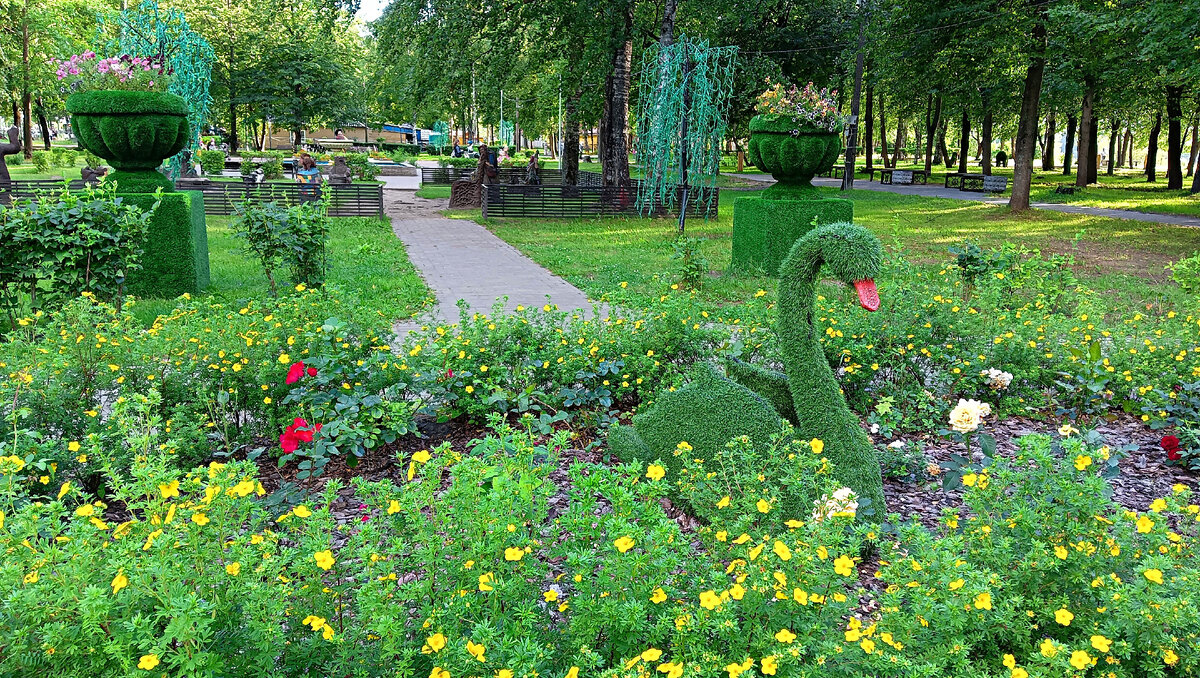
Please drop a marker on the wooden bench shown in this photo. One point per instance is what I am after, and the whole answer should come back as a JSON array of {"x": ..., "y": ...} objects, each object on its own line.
[
  {"x": 903, "y": 176},
  {"x": 837, "y": 172}
]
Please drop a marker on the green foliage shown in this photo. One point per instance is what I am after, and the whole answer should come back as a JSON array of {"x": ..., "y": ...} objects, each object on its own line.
[
  {"x": 361, "y": 167},
  {"x": 1186, "y": 273},
  {"x": 792, "y": 151},
  {"x": 92, "y": 160},
  {"x": 211, "y": 161},
  {"x": 292, "y": 236},
  {"x": 15, "y": 160},
  {"x": 67, "y": 243},
  {"x": 764, "y": 230},
  {"x": 42, "y": 160},
  {"x": 692, "y": 266},
  {"x": 65, "y": 157}
]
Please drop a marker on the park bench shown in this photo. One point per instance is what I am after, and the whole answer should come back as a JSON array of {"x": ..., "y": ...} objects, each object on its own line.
[
  {"x": 981, "y": 183},
  {"x": 903, "y": 176},
  {"x": 836, "y": 172}
]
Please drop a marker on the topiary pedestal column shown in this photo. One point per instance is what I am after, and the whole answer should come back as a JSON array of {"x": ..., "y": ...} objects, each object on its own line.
[
  {"x": 765, "y": 227},
  {"x": 135, "y": 132}
]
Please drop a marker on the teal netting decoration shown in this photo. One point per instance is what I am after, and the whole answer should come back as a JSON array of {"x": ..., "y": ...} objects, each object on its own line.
[
  {"x": 148, "y": 31},
  {"x": 440, "y": 137},
  {"x": 684, "y": 91},
  {"x": 506, "y": 133}
]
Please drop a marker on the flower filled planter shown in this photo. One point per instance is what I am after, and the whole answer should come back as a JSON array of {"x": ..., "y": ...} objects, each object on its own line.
[
  {"x": 134, "y": 131},
  {"x": 794, "y": 151}
]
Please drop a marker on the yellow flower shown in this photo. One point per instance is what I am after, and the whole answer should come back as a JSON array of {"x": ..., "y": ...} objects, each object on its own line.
[
  {"x": 284, "y": 358},
  {"x": 66, "y": 487},
  {"x": 573, "y": 672},
  {"x": 550, "y": 596},
  {"x": 393, "y": 507},
  {"x": 505, "y": 673},
  {"x": 1101, "y": 643},
  {"x": 658, "y": 596},
  {"x": 844, "y": 566},
  {"x": 324, "y": 559},
  {"x": 1170, "y": 658},
  {"x": 1158, "y": 505},
  {"x": 434, "y": 643},
  {"x": 439, "y": 672},
  {"x": 85, "y": 511},
  {"x": 785, "y": 636},
  {"x": 1019, "y": 672},
  {"x": 651, "y": 655},
  {"x": 476, "y": 650},
  {"x": 671, "y": 669},
  {"x": 655, "y": 472},
  {"x": 200, "y": 519},
  {"x": 1080, "y": 659},
  {"x": 768, "y": 665},
  {"x": 232, "y": 569},
  {"x": 119, "y": 582},
  {"x": 1060, "y": 552},
  {"x": 485, "y": 581},
  {"x": 957, "y": 584},
  {"x": 422, "y": 456},
  {"x": 168, "y": 490},
  {"x": 737, "y": 592},
  {"x": 302, "y": 511},
  {"x": 763, "y": 506},
  {"x": 724, "y": 502},
  {"x": 709, "y": 600},
  {"x": 1047, "y": 648},
  {"x": 513, "y": 554},
  {"x": 817, "y": 445},
  {"x": 1082, "y": 462},
  {"x": 148, "y": 662},
  {"x": 73, "y": 446},
  {"x": 624, "y": 544},
  {"x": 1063, "y": 616},
  {"x": 983, "y": 601},
  {"x": 781, "y": 550},
  {"x": 1154, "y": 574}
]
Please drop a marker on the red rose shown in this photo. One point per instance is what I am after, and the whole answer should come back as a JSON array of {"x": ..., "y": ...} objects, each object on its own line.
[
  {"x": 294, "y": 373},
  {"x": 298, "y": 432},
  {"x": 1173, "y": 454},
  {"x": 288, "y": 442},
  {"x": 1169, "y": 443},
  {"x": 312, "y": 371}
]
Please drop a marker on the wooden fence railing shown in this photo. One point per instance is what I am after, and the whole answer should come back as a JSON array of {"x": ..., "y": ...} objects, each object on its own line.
[
  {"x": 445, "y": 176},
  {"x": 556, "y": 201}
]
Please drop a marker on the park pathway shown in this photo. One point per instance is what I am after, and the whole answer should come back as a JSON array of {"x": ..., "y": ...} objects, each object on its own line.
[
  {"x": 936, "y": 191},
  {"x": 461, "y": 260}
]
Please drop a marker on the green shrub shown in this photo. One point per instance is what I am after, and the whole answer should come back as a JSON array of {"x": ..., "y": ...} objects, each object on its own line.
[
  {"x": 42, "y": 161},
  {"x": 67, "y": 243},
  {"x": 1186, "y": 273},
  {"x": 92, "y": 160},
  {"x": 15, "y": 159},
  {"x": 293, "y": 236},
  {"x": 360, "y": 166},
  {"x": 211, "y": 161}
]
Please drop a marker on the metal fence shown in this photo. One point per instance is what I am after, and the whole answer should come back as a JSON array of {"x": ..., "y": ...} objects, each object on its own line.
[{"x": 557, "y": 201}]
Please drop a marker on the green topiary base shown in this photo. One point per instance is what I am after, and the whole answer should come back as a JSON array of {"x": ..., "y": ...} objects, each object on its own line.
[
  {"x": 176, "y": 256},
  {"x": 764, "y": 230}
]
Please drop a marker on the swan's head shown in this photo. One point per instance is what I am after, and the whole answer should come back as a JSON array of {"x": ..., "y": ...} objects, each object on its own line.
[{"x": 854, "y": 255}]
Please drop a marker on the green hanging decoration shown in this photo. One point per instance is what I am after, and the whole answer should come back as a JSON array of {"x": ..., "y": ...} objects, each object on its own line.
[
  {"x": 506, "y": 133},
  {"x": 148, "y": 31},
  {"x": 684, "y": 90},
  {"x": 440, "y": 137}
]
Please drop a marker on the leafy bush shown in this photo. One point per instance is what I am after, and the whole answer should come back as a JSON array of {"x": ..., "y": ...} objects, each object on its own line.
[
  {"x": 66, "y": 243},
  {"x": 361, "y": 167},
  {"x": 293, "y": 236},
  {"x": 65, "y": 157},
  {"x": 14, "y": 159},
  {"x": 211, "y": 161},
  {"x": 1186, "y": 273},
  {"x": 693, "y": 266},
  {"x": 92, "y": 160},
  {"x": 42, "y": 160}
]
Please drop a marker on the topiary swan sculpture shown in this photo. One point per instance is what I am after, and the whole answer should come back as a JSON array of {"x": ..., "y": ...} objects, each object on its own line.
[{"x": 712, "y": 409}]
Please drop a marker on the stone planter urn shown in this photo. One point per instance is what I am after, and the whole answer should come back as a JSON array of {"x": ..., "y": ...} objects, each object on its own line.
[
  {"x": 793, "y": 151},
  {"x": 133, "y": 131}
]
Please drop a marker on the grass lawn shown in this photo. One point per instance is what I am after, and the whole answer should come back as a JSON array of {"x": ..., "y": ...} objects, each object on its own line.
[
  {"x": 26, "y": 171},
  {"x": 369, "y": 266},
  {"x": 431, "y": 192},
  {"x": 1121, "y": 258}
]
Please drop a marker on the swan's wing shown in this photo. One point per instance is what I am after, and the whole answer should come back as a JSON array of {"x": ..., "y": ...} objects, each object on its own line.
[{"x": 767, "y": 383}]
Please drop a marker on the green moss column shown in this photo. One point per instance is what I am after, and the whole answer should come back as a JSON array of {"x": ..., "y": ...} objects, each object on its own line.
[
  {"x": 764, "y": 230},
  {"x": 135, "y": 132},
  {"x": 766, "y": 226},
  {"x": 176, "y": 251}
]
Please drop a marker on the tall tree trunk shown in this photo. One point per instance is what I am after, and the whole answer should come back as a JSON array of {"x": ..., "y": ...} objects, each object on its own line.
[
  {"x": 1027, "y": 122},
  {"x": 1195, "y": 145},
  {"x": 883, "y": 149},
  {"x": 1120, "y": 148},
  {"x": 1152, "y": 149},
  {"x": 570, "y": 154},
  {"x": 1114, "y": 132},
  {"x": 901, "y": 138},
  {"x": 26, "y": 96},
  {"x": 943, "y": 149},
  {"x": 985, "y": 142},
  {"x": 869, "y": 132},
  {"x": 1069, "y": 147},
  {"x": 933, "y": 119},
  {"x": 233, "y": 125},
  {"x": 1174, "y": 136},
  {"x": 614, "y": 153},
  {"x": 964, "y": 140},
  {"x": 1083, "y": 163},
  {"x": 1048, "y": 152},
  {"x": 666, "y": 29},
  {"x": 1094, "y": 147},
  {"x": 1128, "y": 147},
  {"x": 43, "y": 125}
]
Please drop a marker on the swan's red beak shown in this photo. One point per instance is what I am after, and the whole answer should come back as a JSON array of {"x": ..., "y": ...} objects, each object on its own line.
[{"x": 868, "y": 296}]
